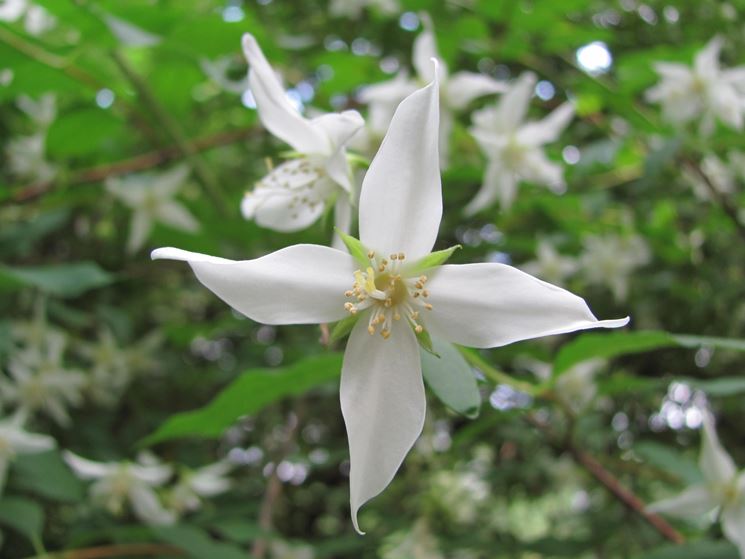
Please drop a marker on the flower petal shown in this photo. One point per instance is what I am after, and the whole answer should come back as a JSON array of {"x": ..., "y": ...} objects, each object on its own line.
[
  {"x": 491, "y": 305},
  {"x": 424, "y": 50},
  {"x": 548, "y": 129},
  {"x": 498, "y": 183},
  {"x": 716, "y": 464},
  {"x": 692, "y": 502},
  {"x": 177, "y": 216},
  {"x": 87, "y": 469},
  {"x": 511, "y": 108},
  {"x": 383, "y": 403},
  {"x": 301, "y": 284},
  {"x": 139, "y": 230},
  {"x": 401, "y": 197},
  {"x": 706, "y": 61},
  {"x": 342, "y": 219},
  {"x": 275, "y": 111},
  {"x": 147, "y": 507},
  {"x": 733, "y": 526},
  {"x": 169, "y": 182},
  {"x": 464, "y": 87}
]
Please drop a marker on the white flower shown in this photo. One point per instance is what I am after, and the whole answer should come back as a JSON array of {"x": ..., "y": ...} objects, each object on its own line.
[
  {"x": 42, "y": 112},
  {"x": 611, "y": 260},
  {"x": 549, "y": 265},
  {"x": 393, "y": 292},
  {"x": 37, "y": 20},
  {"x": 296, "y": 193},
  {"x": 117, "y": 483},
  {"x": 705, "y": 90},
  {"x": 151, "y": 198},
  {"x": 217, "y": 71},
  {"x": 513, "y": 147},
  {"x": 353, "y": 8},
  {"x": 575, "y": 387},
  {"x": 14, "y": 440},
  {"x": 193, "y": 486},
  {"x": 27, "y": 158},
  {"x": 40, "y": 382},
  {"x": 456, "y": 91},
  {"x": 127, "y": 33},
  {"x": 723, "y": 489}
]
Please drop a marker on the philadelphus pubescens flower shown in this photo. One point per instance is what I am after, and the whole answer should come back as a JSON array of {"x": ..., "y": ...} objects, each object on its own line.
[
  {"x": 14, "y": 440},
  {"x": 723, "y": 489},
  {"x": 36, "y": 20},
  {"x": 395, "y": 289},
  {"x": 705, "y": 90},
  {"x": 195, "y": 485},
  {"x": 513, "y": 147},
  {"x": 456, "y": 90},
  {"x": 549, "y": 265},
  {"x": 610, "y": 261},
  {"x": 296, "y": 193},
  {"x": 150, "y": 196},
  {"x": 117, "y": 483}
]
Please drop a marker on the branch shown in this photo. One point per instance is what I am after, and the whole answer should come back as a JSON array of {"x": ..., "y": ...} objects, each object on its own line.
[
  {"x": 611, "y": 483},
  {"x": 139, "y": 163},
  {"x": 123, "y": 550}
]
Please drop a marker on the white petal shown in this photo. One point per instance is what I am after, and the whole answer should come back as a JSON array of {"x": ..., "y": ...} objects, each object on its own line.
[
  {"x": 733, "y": 526},
  {"x": 128, "y": 191},
  {"x": 177, "y": 216},
  {"x": 139, "y": 230},
  {"x": 401, "y": 197},
  {"x": 514, "y": 104},
  {"x": 424, "y": 50},
  {"x": 155, "y": 474},
  {"x": 129, "y": 34},
  {"x": 672, "y": 70},
  {"x": 383, "y": 403},
  {"x": 692, "y": 502},
  {"x": 498, "y": 183},
  {"x": 536, "y": 167},
  {"x": 491, "y": 305},
  {"x": 280, "y": 211},
  {"x": 338, "y": 127},
  {"x": 169, "y": 182},
  {"x": 87, "y": 469},
  {"x": 23, "y": 442},
  {"x": 337, "y": 168},
  {"x": 464, "y": 87},
  {"x": 549, "y": 129},
  {"x": 716, "y": 464},
  {"x": 301, "y": 284},
  {"x": 275, "y": 111},
  {"x": 342, "y": 219},
  {"x": 147, "y": 507},
  {"x": 706, "y": 62}
]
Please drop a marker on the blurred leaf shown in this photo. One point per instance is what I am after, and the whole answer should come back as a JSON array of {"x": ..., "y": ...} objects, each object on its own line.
[
  {"x": 18, "y": 238},
  {"x": 23, "y": 515},
  {"x": 46, "y": 475},
  {"x": 197, "y": 543},
  {"x": 669, "y": 459},
  {"x": 693, "y": 550},
  {"x": 62, "y": 280},
  {"x": 248, "y": 394},
  {"x": 727, "y": 386},
  {"x": 451, "y": 378},
  {"x": 82, "y": 132}
]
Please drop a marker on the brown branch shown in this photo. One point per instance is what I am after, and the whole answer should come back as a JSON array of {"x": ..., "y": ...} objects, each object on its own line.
[
  {"x": 718, "y": 197},
  {"x": 139, "y": 163},
  {"x": 609, "y": 481},
  {"x": 123, "y": 550}
]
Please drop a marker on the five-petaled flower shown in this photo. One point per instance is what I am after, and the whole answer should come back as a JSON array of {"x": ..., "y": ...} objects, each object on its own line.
[
  {"x": 723, "y": 489},
  {"x": 15, "y": 440},
  {"x": 296, "y": 193},
  {"x": 393, "y": 286}
]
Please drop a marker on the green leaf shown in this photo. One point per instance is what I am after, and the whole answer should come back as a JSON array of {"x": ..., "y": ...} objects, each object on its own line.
[
  {"x": 62, "y": 280},
  {"x": 248, "y": 394},
  {"x": 432, "y": 260},
  {"x": 355, "y": 248},
  {"x": 343, "y": 327},
  {"x": 22, "y": 515},
  {"x": 83, "y": 132},
  {"x": 18, "y": 238},
  {"x": 724, "y": 386},
  {"x": 197, "y": 543},
  {"x": 45, "y": 474},
  {"x": 707, "y": 341},
  {"x": 670, "y": 460},
  {"x": 451, "y": 378},
  {"x": 693, "y": 550}
]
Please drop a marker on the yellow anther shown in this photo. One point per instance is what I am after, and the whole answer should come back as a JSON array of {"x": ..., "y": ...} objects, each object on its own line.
[
  {"x": 388, "y": 302},
  {"x": 371, "y": 255},
  {"x": 396, "y": 316},
  {"x": 371, "y": 329},
  {"x": 348, "y": 293},
  {"x": 418, "y": 329},
  {"x": 416, "y": 294},
  {"x": 394, "y": 256},
  {"x": 423, "y": 279},
  {"x": 386, "y": 334},
  {"x": 428, "y": 306},
  {"x": 425, "y": 293}
]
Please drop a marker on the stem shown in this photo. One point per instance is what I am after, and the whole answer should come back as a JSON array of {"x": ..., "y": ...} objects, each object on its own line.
[
  {"x": 139, "y": 163},
  {"x": 174, "y": 130},
  {"x": 123, "y": 550},
  {"x": 719, "y": 198},
  {"x": 495, "y": 375}
]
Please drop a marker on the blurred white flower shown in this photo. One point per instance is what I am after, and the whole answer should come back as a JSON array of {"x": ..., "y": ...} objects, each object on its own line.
[
  {"x": 723, "y": 175},
  {"x": 459, "y": 494},
  {"x": 14, "y": 440},
  {"x": 417, "y": 543},
  {"x": 383, "y": 287},
  {"x": 513, "y": 147},
  {"x": 40, "y": 382},
  {"x": 705, "y": 90},
  {"x": 610, "y": 261},
  {"x": 36, "y": 21},
  {"x": 284, "y": 550},
  {"x": 193, "y": 486},
  {"x": 27, "y": 158},
  {"x": 297, "y": 192},
  {"x": 456, "y": 90},
  {"x": 150, "y": 196},
  {"x": 353, "y": 8},
  {"x": 723, "y": 489},
  {"x": 118, "y": 483},
  {"x": 549, "y": 265},
  {"x": 127, "y": 33},
  {"x": 41, "y": 112},
  {"x": 575, "y": 387},
  {"x": 217, "y": 71}
]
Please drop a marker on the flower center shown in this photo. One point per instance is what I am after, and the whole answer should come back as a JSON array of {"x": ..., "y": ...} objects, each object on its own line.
[{"x": 391, "y": 295}]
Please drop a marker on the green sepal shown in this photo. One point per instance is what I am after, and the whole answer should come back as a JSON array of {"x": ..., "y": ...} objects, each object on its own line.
[
  {"x": 432, "y": 260},
  {"x": 355, "y": 247},
  {"x": 343, "y": 327},
  {"x": 357, "y": 159},
  {"x": 425, "y": 342}
]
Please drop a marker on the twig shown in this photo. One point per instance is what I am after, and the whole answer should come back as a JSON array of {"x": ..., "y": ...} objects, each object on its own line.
[
  {"x": 495, "y": 375},
  {"x": 139, "y": 163},
  {"x": 719, "y": 198},
  {"x": 123, "y": 550},
  {"x": 610, "y": 482},
  {"x": 173, "y": 129},
  {"x": 274, "y": 486}
]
